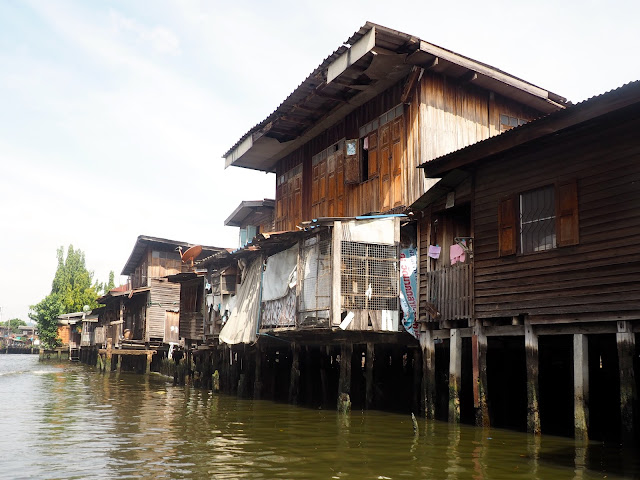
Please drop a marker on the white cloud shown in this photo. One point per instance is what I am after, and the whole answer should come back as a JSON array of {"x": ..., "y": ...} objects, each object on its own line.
[{"x": 114, "y": 117}]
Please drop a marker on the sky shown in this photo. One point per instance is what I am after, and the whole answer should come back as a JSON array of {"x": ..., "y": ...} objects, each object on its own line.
[{"x": 114, "y": 115}]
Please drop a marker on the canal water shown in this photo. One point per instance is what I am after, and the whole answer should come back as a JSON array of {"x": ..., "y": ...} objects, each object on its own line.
[{"x": 62, "y": 420}]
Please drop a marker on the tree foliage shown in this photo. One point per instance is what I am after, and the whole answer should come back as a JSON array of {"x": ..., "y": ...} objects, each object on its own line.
[
  {"x": 14, "y": 323},
  {"x": 71, "y": 290},
  {"x": 111, "y": 284}
]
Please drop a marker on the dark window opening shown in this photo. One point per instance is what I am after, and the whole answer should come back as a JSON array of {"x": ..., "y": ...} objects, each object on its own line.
[
  {"x": 538, "y": 220},
  {"x": 364, "y": 164}
]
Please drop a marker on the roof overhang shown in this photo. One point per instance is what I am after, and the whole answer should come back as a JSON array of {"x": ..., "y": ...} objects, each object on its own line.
[
  {"x": 245, "y": 209},
  {"x": 374, "y": 59},
  {"x": 143, "y": 242}
]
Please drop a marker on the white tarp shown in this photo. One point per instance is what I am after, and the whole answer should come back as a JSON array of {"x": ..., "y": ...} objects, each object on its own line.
[
  {"x": 280, "y": 274},
  {"x": 242, "y": 323},
  {"x": 376, "y": 230}
]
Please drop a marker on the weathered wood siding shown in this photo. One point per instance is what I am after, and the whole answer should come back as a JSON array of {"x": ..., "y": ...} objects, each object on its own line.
[
  {"x": 164, "y": 295},
  {"x": 601, "y": 275},
  {"x": 192, "y": 309},
  {"x": 439, "y": 116},
  {"x": 453, "y": 116}
]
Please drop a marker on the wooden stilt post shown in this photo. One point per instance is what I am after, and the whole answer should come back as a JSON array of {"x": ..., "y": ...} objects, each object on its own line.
[
  {"x": 626, "y": 351},
  {"x": 416, "y": 393},
  {"x": 344, "y": 388},
  {"x": 294, "y": 380},
  {"x": 428, "y": 373},
  {"x": 455, "y": 373},
  {"x": 325, "y": 354},
  {"x": 107, "y": 363},
  {"x": 581, "y": 386},
  {"x": 119, "y": 363},
  {"x": 480, "y": 395},
  {"x": 531, "y": 353},
  {"x": 149, "y": 358},
  {"x": 257, "y": 383},
  {"x": 369, "y": 359}
]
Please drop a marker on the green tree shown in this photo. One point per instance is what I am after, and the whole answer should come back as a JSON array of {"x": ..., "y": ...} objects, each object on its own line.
[
  {"x": 111, "y": 284},
  {"x": 71, "y": 290},
  {"x": 14, "y": 323}
]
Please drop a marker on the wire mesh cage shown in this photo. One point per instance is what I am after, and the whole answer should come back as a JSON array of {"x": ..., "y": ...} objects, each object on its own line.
[
  {"x": 314, "y": 274},
  {"x": 369, "y": 276}
]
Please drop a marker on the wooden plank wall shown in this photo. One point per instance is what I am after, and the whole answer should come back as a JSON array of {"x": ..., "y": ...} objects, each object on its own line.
[
  {"x": 164, "y": 295},
  {"x": 453, "y": 116},
  {"x": 191, "y": 314},
  {"x": 601, "y": 274},
  {"x": 440, "y": 115}
]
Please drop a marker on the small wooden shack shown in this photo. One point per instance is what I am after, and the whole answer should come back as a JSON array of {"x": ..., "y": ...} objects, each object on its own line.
[
  {"x": 529, "y": 239},
  {"x": 252, "y": 217}
]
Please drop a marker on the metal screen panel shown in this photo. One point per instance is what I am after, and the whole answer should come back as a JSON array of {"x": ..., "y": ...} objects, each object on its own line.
[
  {"x": 369, "y": 276},
  {"x": 314, "y": 276}
]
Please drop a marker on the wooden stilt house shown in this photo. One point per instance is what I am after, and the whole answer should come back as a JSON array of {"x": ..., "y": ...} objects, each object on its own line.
[{"x": 533, "y": 234}]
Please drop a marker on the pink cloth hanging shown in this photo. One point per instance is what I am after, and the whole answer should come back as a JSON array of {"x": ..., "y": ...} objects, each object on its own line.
[{"x": 456, "y": 254}]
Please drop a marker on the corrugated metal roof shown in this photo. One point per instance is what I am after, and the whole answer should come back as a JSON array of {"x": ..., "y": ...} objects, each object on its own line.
[
  {"x": 144, "y": 241},
  {"x": 317, "y": 99}
]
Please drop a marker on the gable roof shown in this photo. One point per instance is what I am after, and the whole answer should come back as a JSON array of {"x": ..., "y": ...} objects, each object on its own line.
[
  {"x": 246, "y": 208},
  {"x": 144, "y": 241},
  {"x": 370, "y": 61},
  {"x": 612, "y": 102}
]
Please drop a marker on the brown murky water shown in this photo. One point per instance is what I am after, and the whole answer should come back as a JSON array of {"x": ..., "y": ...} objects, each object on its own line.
[{"x": 68, "y": 421}]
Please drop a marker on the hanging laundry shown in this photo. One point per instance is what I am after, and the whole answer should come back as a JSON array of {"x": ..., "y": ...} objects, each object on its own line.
[
  {"x": 434, "y": 251},
  {"x": 456, "y": 254}
]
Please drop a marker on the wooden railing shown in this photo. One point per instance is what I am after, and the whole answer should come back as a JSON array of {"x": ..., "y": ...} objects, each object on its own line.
[{"x": 450, "y": 291}]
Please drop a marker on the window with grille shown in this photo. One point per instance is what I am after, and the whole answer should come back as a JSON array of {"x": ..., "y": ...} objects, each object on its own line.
[
  {"x": 369, "y": 276},
  {"x": 538, "y": 220}
]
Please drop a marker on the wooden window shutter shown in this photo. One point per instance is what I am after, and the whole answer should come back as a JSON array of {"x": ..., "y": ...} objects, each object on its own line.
[
  {"x": 352, "y": 162},
  {"x": 567, "y": 227},
  {"x": 507, "y": 226}
]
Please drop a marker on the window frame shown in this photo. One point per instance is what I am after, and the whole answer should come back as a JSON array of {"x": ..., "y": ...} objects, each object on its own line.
[{"x": 566, "y": 220}]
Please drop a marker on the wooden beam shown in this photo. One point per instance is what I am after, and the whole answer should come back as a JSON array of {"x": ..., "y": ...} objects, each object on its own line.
[
  {"x": 531, "y": 353},
  {"x": 581, "y": 386},
  {"x": 469, "y": 77},
  {"x": 336, "y": 264},
  {"x": 410, "y": 83}
]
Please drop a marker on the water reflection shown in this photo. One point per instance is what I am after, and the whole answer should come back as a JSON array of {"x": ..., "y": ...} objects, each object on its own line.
[{"x": 68, "y": 421}]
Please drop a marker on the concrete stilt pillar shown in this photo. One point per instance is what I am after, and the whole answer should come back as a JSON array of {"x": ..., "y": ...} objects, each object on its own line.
[
  {"x": 581, "y": 386},
  {"x": 344, "y": 386},
  {"x": 455, "y": 373},
  {"x": 294, "y": 381},
  {"x": 531, "y": 353},
  {"x": 369, "y": 375},
  {"x": 428, "y": 373},
  {"x": 628, "y": 395},
  {"x": 480, "y": 389}
]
